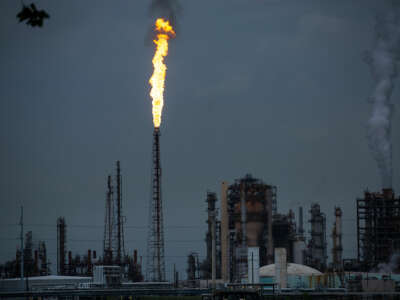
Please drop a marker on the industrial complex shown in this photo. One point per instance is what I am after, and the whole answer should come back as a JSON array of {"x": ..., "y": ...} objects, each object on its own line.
[
  {"x": 248, "y": 241},
  {"x": 252, "y": 246}
]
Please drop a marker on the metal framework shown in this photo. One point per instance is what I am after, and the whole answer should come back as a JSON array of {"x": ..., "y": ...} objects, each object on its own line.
[
  {"x": 155, "y": 269},
  {"x": 108, "y": 225},
  {"x": 250, "y": 201},
  {"x": 378, "y": 228},
  {"x": 120, "y": 224},
  {"x": 61, "y": 246},
  {"x": 284, "y": 233},
  {"x": 317, "y": 255},
  {"x": 113, "y": 242}
]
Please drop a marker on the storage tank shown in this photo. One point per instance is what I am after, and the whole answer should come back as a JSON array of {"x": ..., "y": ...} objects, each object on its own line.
[{"x": 299, "y": 248}]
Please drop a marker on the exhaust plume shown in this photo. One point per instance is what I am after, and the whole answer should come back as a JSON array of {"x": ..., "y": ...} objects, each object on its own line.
[
  {"x": 166, "y": 9},
  {"x": 390, "y": 267},
  {"x": 383, "y": 59}
]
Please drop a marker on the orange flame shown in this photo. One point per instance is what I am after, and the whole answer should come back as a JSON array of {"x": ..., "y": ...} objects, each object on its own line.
[{"x": 165, "y": 32}]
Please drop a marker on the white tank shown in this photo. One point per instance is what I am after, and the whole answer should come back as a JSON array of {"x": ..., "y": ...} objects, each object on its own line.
[{"x": 299, "y": 247}]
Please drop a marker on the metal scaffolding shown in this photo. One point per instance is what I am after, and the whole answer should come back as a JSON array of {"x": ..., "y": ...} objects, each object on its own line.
[
  {"x": 317, "y": 251},
  {"x": 155, "y": 264},
  {"x": 378, "y": 228},
  {"x": 120, "y": 224},
  {"x": 61, "y": 246},
  {"x": 113, "y": 242},
  {"x": 108, "y": 225},
  {"x": 250, "y": 205}
]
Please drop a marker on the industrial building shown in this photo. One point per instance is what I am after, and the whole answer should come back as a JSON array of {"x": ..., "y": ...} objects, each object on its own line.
[
  {"x": 284, "y": 233},
  {"x": 247, "y": 209},
  {"x": 337, "y": 249},
  {"x": 250, "y": 229},
  {"x": 378, "y": 228},
  {"x": 317, "y": 247}
]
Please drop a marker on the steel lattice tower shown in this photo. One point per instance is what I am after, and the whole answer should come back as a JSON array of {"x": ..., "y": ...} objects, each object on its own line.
[
  {"x": 113, "y": 243},
  {"x": 108, "y": 225},
  {"x": 155, "y": 241}
]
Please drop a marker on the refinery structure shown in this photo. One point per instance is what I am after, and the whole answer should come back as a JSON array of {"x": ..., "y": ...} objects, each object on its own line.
[{"x": 249, "y": 241}]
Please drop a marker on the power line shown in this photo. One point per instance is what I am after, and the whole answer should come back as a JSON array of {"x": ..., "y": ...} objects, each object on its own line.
[{"x": 101, "y": 226}]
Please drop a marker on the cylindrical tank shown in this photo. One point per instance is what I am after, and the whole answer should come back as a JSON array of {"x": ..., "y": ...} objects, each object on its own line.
[{"x": 299, "y": 247}]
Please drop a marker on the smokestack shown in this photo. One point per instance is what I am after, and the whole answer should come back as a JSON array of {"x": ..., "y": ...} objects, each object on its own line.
[
  {"x": 155, "y": 269},
  {"x": 69, "y": 262},
  {"x": 119, "y": 216},
  {"x": 301, "y": 230},
  {"x": 89, "y": 262},
  {"x": 94, "y": 254},
  {"x": 383, "y": 59},
  {"x": 337, "y": 249},
  {"x": 135, "y": 257},
  {"x": 36, "y": 261}
]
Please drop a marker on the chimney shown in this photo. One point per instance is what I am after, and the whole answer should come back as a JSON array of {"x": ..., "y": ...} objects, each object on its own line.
[
  {"x": 89, "y": 262},
  {"x": 301, "y": 230},
  {"x": 135, "y": 257},
  {"x": 36, "y": 262},
  {"x": 70, "y": 262}
]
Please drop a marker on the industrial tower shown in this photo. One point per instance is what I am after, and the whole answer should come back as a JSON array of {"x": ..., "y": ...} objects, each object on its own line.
[
  {"x": 120, "y": 225},
  {"x": 155, "y": 268},
  {"x": 317, "y": 254},
  {"x": 113, "y": 243},
  {"x": 337, "y": 249},
  {"x": 378, "y": 223},
  {"x": 108, "y": 225},
  {"x": 61, "y": 246}
]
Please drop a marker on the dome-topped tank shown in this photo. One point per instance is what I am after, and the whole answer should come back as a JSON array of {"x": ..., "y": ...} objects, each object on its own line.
[{"x": 292, "y": 269}]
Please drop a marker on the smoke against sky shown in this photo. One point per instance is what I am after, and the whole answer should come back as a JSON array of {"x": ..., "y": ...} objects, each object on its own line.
[
  {"x": 167, "y": 9},
  {"x": 383, "y": 60}
]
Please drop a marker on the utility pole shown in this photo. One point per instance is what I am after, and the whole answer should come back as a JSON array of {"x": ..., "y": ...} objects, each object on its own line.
[{"x": 21, "y": 223}]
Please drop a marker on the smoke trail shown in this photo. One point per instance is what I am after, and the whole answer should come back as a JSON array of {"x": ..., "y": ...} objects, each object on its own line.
[
  {"x": 167, "y": 9},
  {"x": 383, "y": 59}
]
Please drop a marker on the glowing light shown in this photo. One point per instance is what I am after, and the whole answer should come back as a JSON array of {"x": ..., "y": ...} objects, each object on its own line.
[{"x": 157, "y": 80}]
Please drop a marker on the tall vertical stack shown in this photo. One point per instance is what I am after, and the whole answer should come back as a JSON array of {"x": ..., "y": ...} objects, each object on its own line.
[
  {"x": 317, "y": 255},
  {"x": 108, "y": 225},
  {"x": 337, "y": 249},
  {"x": 113, "y": 243},
  {"x": 155, "y": 244},
  {"x": 120, "y": 228},
  {"x": 61, "y": 245}
]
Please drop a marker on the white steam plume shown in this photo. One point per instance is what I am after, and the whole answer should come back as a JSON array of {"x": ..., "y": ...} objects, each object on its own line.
[
  {"x": 390, "y": 267},
  {"x": 383, "y": 60}
]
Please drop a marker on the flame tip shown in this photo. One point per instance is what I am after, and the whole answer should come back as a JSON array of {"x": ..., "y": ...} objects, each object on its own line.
[{"x": 165, "y": 32}]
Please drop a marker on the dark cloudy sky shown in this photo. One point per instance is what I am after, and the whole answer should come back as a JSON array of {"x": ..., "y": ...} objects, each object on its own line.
[{"x": 275, "y": 88}]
